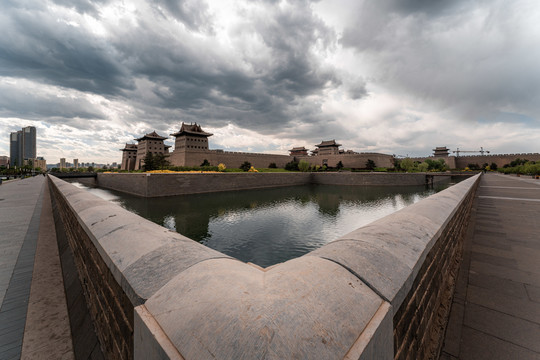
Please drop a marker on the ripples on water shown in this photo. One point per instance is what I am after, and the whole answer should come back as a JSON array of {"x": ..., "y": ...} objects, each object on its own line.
[{"x": 269, "y": 226}]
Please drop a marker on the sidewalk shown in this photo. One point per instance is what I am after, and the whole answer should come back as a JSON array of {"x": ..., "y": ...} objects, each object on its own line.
[
  {"x": 20, "y": 210},
  {"x": 33, "y": 314},
  {"x": 496, "y": 308}
]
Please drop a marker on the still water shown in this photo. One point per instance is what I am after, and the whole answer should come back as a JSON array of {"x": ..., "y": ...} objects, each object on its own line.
[{"x": 270, "y": 226}]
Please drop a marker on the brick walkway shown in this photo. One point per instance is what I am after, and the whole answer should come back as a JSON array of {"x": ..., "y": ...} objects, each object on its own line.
[{"x": 496, "y": 309}]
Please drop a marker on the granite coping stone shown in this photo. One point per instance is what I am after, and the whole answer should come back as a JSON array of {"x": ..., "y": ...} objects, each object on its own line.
[{"x": 242, "y": 312}]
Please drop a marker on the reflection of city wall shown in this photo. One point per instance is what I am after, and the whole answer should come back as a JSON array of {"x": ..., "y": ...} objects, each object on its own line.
[
  {"x": 155, "y": 185},
  {"x": 191, "y": 214}
]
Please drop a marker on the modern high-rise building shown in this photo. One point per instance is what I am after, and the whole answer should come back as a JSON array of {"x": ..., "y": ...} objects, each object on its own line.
[
  {"x": 62, "y": 163},
  {"x": 76, "y": 163},
  {"x": 22, "y": 145}
]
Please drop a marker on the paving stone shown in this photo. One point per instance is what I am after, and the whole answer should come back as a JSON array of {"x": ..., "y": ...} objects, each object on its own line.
[
  {"x": 510, "y": 328},
  {"x": 495, "y": 300},
  {"x": 481, "y": 346},
  {"x": 503, "y": 286},
  {"x": 533, "y": 292}
]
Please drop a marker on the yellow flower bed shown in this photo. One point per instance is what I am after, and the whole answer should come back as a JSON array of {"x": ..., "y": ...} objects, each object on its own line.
[{"x": 180, "y": 172}]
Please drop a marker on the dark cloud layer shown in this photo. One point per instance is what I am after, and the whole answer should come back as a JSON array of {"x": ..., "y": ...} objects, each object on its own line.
[
  {"x": 274, "y": 67},
  {"x": 470, "y": 57}
]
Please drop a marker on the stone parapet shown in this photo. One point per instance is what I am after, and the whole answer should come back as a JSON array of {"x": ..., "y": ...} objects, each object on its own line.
[{"x": 373, "y": 293}]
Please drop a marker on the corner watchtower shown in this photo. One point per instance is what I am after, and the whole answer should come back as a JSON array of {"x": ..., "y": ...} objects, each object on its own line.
[
  {"x": 152, "y": 143},
  {"x": 191, "y": 137}
]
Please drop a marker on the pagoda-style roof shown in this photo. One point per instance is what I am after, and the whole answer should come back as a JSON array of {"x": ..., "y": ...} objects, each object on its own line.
[
  {"x": 328, "y": 143},
  {"x": 129, "y": 147},
  {"x": 191, "y": 129},
  {"x": 298, "y": 149},
  {"x": 153, "y": 135},
  {"x": 441, "y": 151}
]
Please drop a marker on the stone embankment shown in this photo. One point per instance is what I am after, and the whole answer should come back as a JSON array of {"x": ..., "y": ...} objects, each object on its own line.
[
  {"x": 381, "y": 291},
  {"x": 155, "y": 185}
]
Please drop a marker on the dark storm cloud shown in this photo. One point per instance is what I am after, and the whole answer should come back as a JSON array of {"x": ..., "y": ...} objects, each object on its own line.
[
  {"x": 218, "y": 86},
  {"x": 166, "y": 73},
  {"x": 36, "y": 45},
  {"x": 192, "y": 13},
  {"x": 469, "y": 58},
  {"x": 83, "y": 6},
  {"x": 38, "y": 104}
]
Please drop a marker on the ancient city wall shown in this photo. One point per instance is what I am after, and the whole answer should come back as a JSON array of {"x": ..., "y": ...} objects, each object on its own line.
[
  {"x": 499, "y": 159},
  {"x": 355, "y": 161},
  {"x": 460, "y": 162},
  {"x": 195, "y": 157},
  {"x": 155, "y": 185},
  {"x": 380, "y": 291},
  {"x": 230, "y": 159}
]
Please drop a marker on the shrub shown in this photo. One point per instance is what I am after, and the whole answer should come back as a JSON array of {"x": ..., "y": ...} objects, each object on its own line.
[
  {"x": 272, "y": 166},
  {"x": 303, "y": 166},
  {"x": 370, "y": 164},
  {"x": 339, "y": 165},
  {"x": 423, "y": 167},
  {"x": 221, "y": 167},
  {"x": 291, "y": 166},
  {"x": 246, "y": 165},
  {"x": 205, "y": 163}
]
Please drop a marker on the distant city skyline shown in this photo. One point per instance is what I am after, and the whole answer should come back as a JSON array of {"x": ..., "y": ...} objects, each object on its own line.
[{"x": 389, "y": 76}]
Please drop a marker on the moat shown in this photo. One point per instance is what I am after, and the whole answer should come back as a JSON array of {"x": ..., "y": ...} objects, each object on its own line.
[{"x": 269, "y": 226}]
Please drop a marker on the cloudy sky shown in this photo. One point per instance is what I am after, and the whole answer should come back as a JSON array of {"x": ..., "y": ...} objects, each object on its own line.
[{"x": 392, "y": 76}]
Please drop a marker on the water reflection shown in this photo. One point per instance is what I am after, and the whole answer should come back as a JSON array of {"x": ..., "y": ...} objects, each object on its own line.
[{"x": 268, "y": 226}]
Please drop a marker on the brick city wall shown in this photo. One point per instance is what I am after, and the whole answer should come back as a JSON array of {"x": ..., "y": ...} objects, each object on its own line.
[
  {"x": 460, "y": 162},
  {"x": 500, "y": 159},
  {"x": 355, "y": 161},
  {"x": 235, "y": 159},
  {"x": 109, "y": 307},
  {"x": 421, "y": 320},
  {"x": 230, "y": 159}
]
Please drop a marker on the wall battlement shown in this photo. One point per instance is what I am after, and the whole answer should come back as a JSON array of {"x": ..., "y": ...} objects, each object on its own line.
[{"x": 377, "y": 292}]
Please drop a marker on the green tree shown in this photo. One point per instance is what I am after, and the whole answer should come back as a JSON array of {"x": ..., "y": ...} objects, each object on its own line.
[
  {"x": 205, "y": 163},
  {"x": 423, "y": 167},
  {"x": 246, "y": 165},
  {"x": 291, "y": 166},
  {"x": 407, "y": 164},
  {"x": 493, "y": 166},
  {"x": 149, "y": 163},
  {"x": 370, "y": 164},
  {"x": 272, "y": 165},
  {"x": 303, "y": 166},
  {"x": 339, "y": 165},
  {"x": 161, "y": 162}
]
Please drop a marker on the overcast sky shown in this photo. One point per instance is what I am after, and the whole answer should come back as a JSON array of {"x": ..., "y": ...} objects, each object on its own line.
[{"x": 392, "y": 76}]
